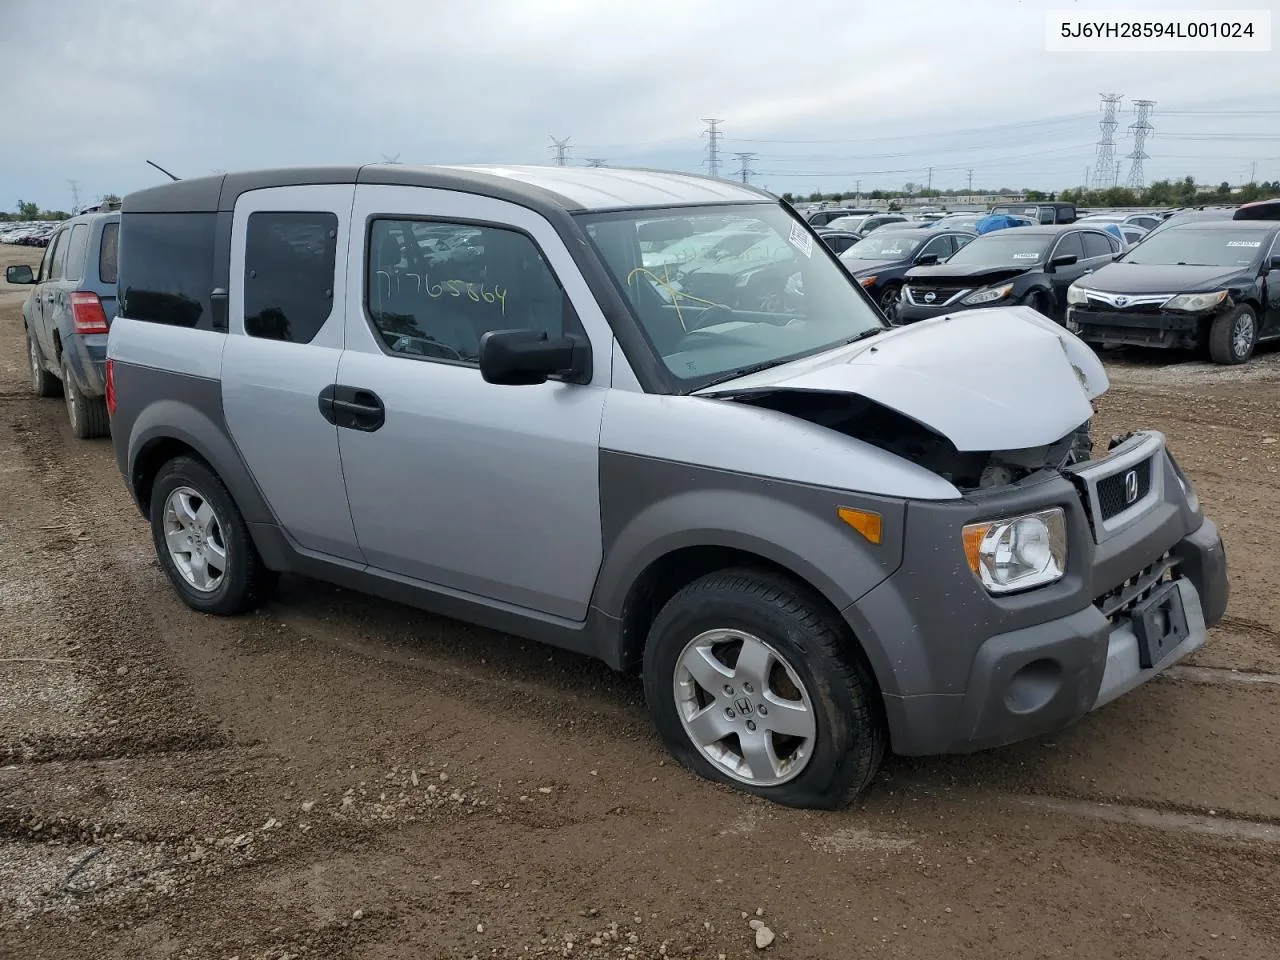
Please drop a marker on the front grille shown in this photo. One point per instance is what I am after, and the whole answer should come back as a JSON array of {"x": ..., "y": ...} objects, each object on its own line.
[
  {"x": 1117, "y": 493},
  {"x": 1118, "y": 603},
  {"x": 1101, "y": 306},
  {"x": 941, "y": 295}
]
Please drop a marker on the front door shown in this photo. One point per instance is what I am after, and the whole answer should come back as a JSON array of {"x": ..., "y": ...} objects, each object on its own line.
[
  {"x": 1063, "y": 277},
  {"x": 285, "y": 336},
  {"x": 1269, "y": 322},
  {"x": 491, "y": 491}
]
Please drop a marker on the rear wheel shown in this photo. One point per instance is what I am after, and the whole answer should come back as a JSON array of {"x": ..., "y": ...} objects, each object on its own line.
[
  {"x": 1232, "y": 337},
  {"x": 752, "y": 685},
  {"x": 88, "y": 415},
  {"x": 43, "y": 383},
  {"x": 202, "y": 541}
]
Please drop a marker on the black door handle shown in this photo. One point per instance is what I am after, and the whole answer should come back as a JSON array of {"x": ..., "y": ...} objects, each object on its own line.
[{"x": 354, "y": 408}]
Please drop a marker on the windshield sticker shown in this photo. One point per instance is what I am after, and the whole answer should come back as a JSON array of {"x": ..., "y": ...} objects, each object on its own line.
[
  {"x": 1026, "y": 256},
  {"x": 801, "y": 240},
  {"x": 1244, "y": 243}
]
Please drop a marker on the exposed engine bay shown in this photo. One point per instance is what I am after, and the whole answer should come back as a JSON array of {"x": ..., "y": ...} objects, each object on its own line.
[{"x": 891, "y": 431}]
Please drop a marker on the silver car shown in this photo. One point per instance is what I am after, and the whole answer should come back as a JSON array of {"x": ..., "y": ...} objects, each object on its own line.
[{"x": 816, "y": 537}]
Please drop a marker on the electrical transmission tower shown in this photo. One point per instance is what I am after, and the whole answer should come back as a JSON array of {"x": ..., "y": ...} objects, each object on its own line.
[
  {"x": 561, "y": 147},
  {"x": 712, "y": 134},
  {"x": 1140, "y": 129},
  {"x": 1106, "y": 170},
  {"x": 745, "y": 171},
  {"x": 75, "y": 195},
  {"x": 594, "y": 162}
]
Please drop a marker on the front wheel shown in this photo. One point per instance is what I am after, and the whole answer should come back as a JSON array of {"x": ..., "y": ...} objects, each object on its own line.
[
  {"x": 1233, "y": 337},
  {"x": 202, "y": 541},
  {"x": 751, "y": 684},
  {"x": 889, "y": 299},
  {"x": 1038, "y": 302}
]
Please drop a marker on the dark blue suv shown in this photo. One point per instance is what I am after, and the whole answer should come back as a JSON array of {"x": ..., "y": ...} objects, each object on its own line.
[{"x": 68, "y": 314}]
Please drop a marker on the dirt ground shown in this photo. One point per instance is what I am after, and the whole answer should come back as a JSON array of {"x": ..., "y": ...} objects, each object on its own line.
[{"x": 337, "y": 777}]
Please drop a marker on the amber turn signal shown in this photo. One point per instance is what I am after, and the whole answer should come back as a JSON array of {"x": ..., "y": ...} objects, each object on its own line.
[{"x": 865, "y": 522}]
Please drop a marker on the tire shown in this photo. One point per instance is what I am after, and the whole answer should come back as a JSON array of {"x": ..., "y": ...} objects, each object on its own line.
[
  {"x": 88, "y": 415},
  {"x": 889, "y": 299},
  {"x": 220, "y": 536},
  {"x": 1233, "y": 337},
  {"x": 1036, "y": 301},
  {"x": 43, "y": 383},
  {"x": 828, "y": 689}
]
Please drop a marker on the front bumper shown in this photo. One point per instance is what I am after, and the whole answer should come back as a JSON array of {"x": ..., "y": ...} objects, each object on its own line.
[
  {"x": 1134, "y": 328},
  {"x": 908, "y": 312},
  {"x": 964, "y": 671}
]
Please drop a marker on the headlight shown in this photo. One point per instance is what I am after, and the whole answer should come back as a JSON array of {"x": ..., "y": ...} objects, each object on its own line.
[
  {"x": 868, "y": 281},
  {"x": 1018, "y": 553},
  {"x": 989, "y": 295},
  {"x": 1195, "y": 302},
  {"x": 1077, "y": 294}
]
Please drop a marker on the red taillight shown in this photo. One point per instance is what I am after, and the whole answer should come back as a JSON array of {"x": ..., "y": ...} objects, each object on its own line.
[
  {"x": 111, "y": 390},
  {"x": 87, "y": 315}
]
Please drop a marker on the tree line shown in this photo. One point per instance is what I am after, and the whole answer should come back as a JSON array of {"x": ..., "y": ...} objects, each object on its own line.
[{"x": 27, "y": 210}]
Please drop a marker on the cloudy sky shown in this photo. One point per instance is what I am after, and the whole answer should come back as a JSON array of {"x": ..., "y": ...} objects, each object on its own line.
[{"x": 824, "y": 92}]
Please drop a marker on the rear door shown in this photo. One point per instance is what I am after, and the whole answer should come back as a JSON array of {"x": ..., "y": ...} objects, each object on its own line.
[
  {"x": 285, "y": 337},
  {"x": 59, "y": 322}
]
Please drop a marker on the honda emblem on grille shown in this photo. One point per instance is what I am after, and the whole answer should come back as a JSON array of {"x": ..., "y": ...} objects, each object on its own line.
[
  {"x": 930, "y": 297},
  {"x": 1131, "y": 486}
]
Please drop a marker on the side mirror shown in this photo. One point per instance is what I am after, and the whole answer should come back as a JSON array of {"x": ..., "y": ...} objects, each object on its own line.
[
  {"x": 925, "y": 260},
  {"x": 526, "y": 357},
  {"x": 1063, "y": 260},
  {"x": 1272, "y": 264},
  {"x": 19, "y": 274}
]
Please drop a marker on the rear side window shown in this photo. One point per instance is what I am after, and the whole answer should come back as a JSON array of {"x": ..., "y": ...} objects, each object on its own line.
[
  {"x": 288, "y": 274},
  {"x": 166, "y": 268},
  {"x": 107, "y": 250},
  {"x": 75, "y": 252}
]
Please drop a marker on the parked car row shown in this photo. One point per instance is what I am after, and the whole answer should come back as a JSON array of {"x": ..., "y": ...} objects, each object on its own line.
[
  {"x": 646, "y": 418},
  {"x": 27, "y": 233}
]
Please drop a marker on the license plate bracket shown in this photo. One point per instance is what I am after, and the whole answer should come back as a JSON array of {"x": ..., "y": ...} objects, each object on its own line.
[{"x": 1160, "y": 624}]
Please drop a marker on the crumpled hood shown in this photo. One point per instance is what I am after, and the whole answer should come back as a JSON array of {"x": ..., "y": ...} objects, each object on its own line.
[{"x": 995, "y": 378}]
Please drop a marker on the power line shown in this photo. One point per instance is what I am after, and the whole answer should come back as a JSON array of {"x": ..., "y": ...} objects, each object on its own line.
[
  {"x": 1105, "y": 169},
  {"x": 561, "y": 148},
  {"x": 744, "y": 169},
  {"x": 712, "y": 133},
  {"x": 1019, "y": 125}
]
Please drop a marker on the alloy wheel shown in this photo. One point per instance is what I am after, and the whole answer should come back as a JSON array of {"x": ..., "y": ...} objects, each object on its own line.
[
  {"x": 194, "y": 539},
  {"x": 744, "y": 707}
]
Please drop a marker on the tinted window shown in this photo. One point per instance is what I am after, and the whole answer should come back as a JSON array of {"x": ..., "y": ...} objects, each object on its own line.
[
  {"x": 166, "y": 268},
  {"x": 107, "y": 252},
  {"x": 1097, "y": 245},
  {"x": 939, "y": 247},
  {"x": 59, "y": 259},
  {"x": 434, "y": 289},
  {"x": 46, "y": 264},
  {"x": 1070, "y": 244},
  {"x": 883, "y": 246},
  {"x": 288, "y": 274},
  {"x": 76, "y": 245}
]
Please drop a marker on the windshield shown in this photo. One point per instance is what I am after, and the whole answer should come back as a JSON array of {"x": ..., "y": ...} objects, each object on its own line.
[
  {"x": 883, "y": 246},
  {"x": 847, "y": 223},
  {"x": 1003, "y": 248},
  {"x": 711, "y": 318},
  {"x": 1188, "y": 245}
]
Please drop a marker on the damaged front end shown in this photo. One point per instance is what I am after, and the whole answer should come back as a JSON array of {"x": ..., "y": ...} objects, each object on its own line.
[{"x": 896, "y": 433}]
